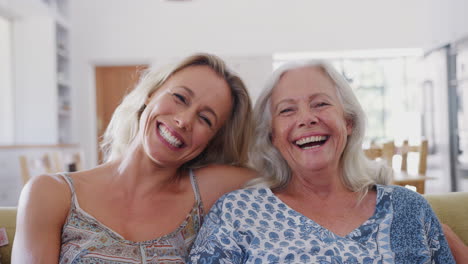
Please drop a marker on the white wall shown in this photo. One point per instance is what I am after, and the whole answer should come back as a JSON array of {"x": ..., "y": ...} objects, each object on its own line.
[
  {"x": 254, "y": 71},
  {"x": 28, "y": 103},
  {"x": 149, "y": 27},
  {"x": 458, "y": 27},
  {"x": 445, "y": 21},
  {"x": 35, "y": 95},
  {"x": 244, "y": 31},
  {"x": 6, "y": 84}
]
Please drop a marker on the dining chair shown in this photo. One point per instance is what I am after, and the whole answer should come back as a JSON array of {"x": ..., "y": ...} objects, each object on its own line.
[
  {"x": 31, "y": 165},
  {"x": 390, "y": 153}
]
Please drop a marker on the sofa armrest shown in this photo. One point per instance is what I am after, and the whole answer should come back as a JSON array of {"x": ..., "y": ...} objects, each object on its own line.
[
  {"x": 452, "y": 209},
  {"x": 7, "y": 220}
]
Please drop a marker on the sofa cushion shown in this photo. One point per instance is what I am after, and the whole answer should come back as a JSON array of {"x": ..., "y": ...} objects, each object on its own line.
[
  {"x": 452, "y": 209},
  {"x": 8, "y": 221}
]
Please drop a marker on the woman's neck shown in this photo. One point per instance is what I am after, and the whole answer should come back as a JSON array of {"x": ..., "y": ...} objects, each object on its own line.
[
  {"x": 137, "y": 173},
  {"x": 321, "y": 183}
]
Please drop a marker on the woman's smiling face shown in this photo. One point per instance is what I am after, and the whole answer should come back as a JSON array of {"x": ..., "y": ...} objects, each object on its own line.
[
  {"x": 308, "y": 122},
  {"x": 184, "y": 114}
]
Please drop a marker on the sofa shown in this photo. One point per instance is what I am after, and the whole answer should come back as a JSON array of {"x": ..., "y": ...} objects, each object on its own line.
[
  {"x": 8, "y": 221},
  {"x": 451, "y": 208}
]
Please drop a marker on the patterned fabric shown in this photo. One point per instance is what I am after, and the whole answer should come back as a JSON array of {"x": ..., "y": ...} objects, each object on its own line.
[
  {"x": 255, "y": 226},
  {"x": 86, "y": 240}
]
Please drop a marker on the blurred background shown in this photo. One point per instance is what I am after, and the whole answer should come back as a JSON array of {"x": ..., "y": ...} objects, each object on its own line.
[{"x": 65, "y": 65}]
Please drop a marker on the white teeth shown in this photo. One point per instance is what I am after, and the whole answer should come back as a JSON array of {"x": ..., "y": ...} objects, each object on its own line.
[
  {"x": 169, "y": 137},
  {"x": 306, "y": 140},
  {"x": 311, "y": 147}
]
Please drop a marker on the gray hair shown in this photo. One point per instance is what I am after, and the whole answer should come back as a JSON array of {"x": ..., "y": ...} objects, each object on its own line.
[
  {"x": 229, "y": 145},
  {"x": 359, "y": 173}
]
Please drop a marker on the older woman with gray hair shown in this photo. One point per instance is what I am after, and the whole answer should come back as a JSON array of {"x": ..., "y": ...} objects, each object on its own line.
[{"x": 319, "y": 200}]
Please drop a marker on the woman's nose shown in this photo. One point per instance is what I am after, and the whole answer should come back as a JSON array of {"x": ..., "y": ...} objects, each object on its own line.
[
  {"x": 184, "y": 120},
  {"x": 307, "y": 117}
]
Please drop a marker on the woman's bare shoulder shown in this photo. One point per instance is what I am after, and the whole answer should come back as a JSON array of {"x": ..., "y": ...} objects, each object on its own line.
[
  {"x": 216, "y": 180},
  {"x": 52, "y": 189},
  {"x": 42, "y": 211},
  {"x": 47, "y": 185},
  {"x": 226, "y": 174},
  {"x": 96, "y": 176},
  {"x": 46, "y": 195}
]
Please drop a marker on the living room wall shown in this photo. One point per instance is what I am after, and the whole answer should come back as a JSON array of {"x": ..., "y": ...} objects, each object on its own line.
[{"x": 110, "y": 32}]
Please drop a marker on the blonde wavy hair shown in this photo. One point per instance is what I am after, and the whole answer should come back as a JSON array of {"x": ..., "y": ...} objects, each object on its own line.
[{"x": 229, "y": 145}]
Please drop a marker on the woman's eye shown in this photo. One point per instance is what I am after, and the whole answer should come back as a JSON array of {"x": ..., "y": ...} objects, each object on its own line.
[
  {"x": 206, "y": 120},
  {"x": 321, "y": 104},
  {"x": 180, "y": 98},
  {"x": 286, "y": 110}
]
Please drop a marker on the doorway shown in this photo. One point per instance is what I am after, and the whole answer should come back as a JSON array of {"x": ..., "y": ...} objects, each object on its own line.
[{"x": 112, "y": 84}]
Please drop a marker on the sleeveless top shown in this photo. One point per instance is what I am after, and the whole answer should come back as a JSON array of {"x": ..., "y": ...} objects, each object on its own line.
[{"x": 86, "y": 240}]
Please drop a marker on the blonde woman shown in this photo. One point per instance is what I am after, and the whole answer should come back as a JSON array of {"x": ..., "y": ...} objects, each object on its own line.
[{"x": 176, "y": 143}]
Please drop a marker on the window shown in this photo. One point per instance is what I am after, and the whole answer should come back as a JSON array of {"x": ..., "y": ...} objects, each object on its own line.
[{"x": 462, "y": 100}]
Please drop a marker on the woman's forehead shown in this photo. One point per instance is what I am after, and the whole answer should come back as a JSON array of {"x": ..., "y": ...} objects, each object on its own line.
[{"x": 304, "y": 81}]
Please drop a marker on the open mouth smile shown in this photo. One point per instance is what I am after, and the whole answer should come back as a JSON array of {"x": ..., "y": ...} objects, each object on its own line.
[
  {"x": 311, "y": 142},
  {"x": 170, "y": 138}
]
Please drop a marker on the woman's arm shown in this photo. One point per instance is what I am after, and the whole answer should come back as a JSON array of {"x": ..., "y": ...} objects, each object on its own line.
[
  {"x": 216, "y": 180},
  {"x": 437, "y": 242},
  {"x": 458, "y": 248},
  {"x": 42, "y": 210}
]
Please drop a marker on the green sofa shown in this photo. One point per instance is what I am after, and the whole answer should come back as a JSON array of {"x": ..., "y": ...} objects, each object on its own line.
[
  {"x": 8, "y": 221},
  {"x": 451, "y": 208}
]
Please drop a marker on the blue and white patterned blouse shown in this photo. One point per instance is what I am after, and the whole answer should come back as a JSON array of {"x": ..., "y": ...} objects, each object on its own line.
[{"x": 255, "y": 226}]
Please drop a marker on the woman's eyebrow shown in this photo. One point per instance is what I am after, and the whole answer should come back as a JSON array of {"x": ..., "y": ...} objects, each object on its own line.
[
  {"x": 287, "y": 100},
  {"x": 320, "y": 95},
  {"x": 187, "y": 89}
]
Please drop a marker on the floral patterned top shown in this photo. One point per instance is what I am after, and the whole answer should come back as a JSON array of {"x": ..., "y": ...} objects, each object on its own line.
[
  {"x": 86, "y": 240},
  {"x": 255, "y": 226}
]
